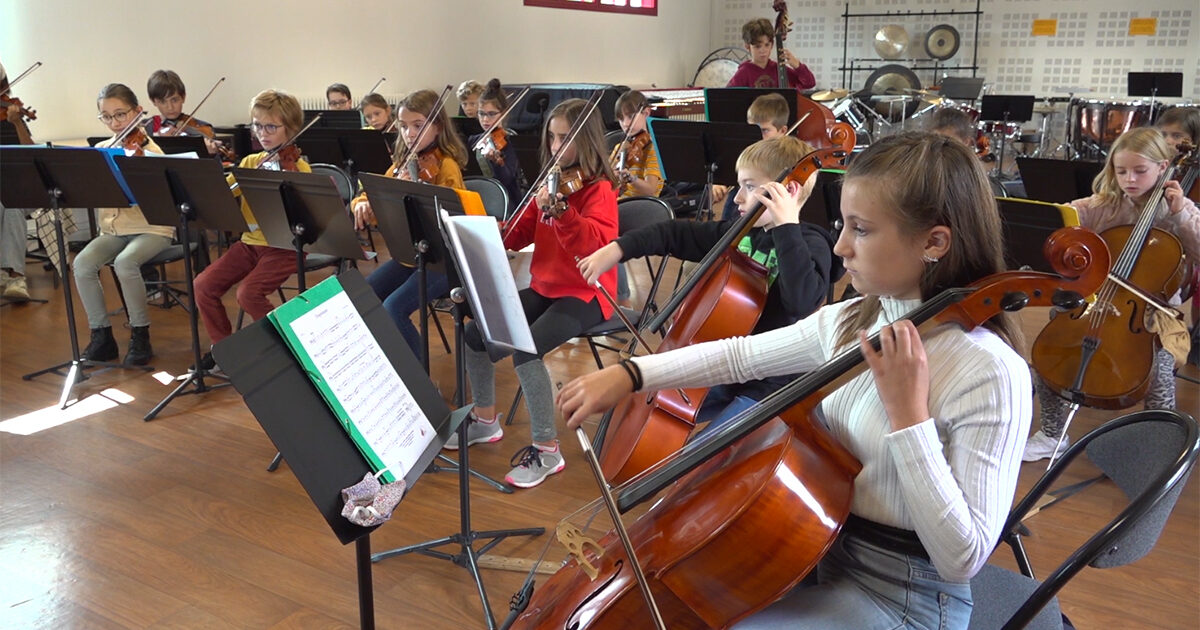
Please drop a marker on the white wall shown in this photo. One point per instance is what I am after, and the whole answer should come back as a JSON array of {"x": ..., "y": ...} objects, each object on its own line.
[
  {"x": 303, "y": 45},
  {"x": 1092, "y": 47}
]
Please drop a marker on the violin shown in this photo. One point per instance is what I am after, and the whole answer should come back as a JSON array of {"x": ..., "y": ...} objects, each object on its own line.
[
  {"x": 136, "y": 142},
  {"x": 1101, "y": 354},
  {"x": 750, "y": 509},
  {"x": 562, "y": 182},
  {"x": 288, "y": 156},
  {"x": 424, "y": 168},
  {"x": 494, "y": 143},
  {"x": 633, "y": 151},
  {"x": 723, "y": 298},
  {"x": 27, "y": 113}
]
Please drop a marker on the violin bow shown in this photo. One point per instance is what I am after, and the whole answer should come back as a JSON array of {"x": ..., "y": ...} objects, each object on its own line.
[
  {"x": 119, "y": 140},
  {"x": 274, "y": 152},
  {"x": 35, "y": 66},
  {"x": 499, "y": 120},
  {"x": 180, "y": 126},
  {"x": 552, "y": 164},
  {"x": 376, "y": 86},
  {"x": 409, "y": 152}
]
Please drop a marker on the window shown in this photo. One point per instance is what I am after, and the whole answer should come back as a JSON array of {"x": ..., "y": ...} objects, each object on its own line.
[{"x": 639, "y": 7}]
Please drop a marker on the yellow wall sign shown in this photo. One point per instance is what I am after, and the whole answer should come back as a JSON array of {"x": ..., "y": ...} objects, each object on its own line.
[
  {"x": 1045, "y": 27},
  {"x": 1143, "y": 26}
]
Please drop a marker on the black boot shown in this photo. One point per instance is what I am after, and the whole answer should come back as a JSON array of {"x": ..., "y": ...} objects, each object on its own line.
[
  {"x": 139, "y": 346},
  {"x": 102, "y": 347}
]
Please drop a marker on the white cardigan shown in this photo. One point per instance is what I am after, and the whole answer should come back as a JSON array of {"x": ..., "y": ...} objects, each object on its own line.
[{"x": 951, "y": 478}]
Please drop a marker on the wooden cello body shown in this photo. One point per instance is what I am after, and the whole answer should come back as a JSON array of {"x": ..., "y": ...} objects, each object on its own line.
[
  {"x": 749, "y": 510},
  {"x": 726, "y": 302}
]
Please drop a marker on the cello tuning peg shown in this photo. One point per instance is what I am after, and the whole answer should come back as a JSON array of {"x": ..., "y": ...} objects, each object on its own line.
[
  {"x": 1014, "y": 301},
  {"x": 1067, "y": 300}
]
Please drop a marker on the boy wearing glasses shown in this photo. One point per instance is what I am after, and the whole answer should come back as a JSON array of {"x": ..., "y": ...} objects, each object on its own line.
[
  {"x": 337, "y": 96},
  {"x": 261, "y": 269}
]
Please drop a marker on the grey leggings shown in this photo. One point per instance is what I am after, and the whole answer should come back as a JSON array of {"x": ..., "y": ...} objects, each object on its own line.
[
  {"x": 128, "y": 254},
  {"x": 1160, "y": 396},
  {"x": 12, "y": 239}
]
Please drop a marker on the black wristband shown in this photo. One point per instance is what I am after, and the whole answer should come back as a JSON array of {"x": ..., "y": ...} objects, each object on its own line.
[{"x": 634, "y": 372}]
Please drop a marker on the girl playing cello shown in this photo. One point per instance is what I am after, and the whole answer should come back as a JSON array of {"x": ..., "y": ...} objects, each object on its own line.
[{"x": 937, "y": 423}]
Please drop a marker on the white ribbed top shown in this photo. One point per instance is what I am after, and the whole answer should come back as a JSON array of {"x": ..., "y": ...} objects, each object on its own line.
[{"x": 951, "y": 479}]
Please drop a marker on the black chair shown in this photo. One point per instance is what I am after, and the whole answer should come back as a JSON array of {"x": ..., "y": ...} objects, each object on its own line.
[
  {"x": 1148, "y": 454},
  {"x": 495, "y": 197},
  {"x": 632, "y": 213},
  {"x": 612, "y": 139}
]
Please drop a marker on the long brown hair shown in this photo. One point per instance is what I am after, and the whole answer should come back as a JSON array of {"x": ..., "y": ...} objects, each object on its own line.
[
  {"x": 422, "y": 102},
  {"x": 589, "y": 142},
  {"x": 929, "y": 180}
]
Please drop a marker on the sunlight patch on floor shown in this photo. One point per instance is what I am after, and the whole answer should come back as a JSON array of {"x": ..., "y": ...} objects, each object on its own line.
[{"x": 52, "y": 416}]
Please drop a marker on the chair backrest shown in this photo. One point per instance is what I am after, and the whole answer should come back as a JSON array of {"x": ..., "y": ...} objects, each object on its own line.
[
  {"x": 1149, "y": 455},
  {"x": 340, "y": 178},
  {"x": 495, "y": 197},
  {"x": 613, "y": 138},
  {"x": 636, "y": 212}
]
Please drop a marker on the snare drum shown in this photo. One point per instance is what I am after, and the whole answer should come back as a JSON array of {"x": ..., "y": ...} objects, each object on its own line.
[{"x": 1094, "y": 124}]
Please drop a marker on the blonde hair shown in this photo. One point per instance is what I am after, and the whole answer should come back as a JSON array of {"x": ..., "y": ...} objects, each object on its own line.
[
  {"x": 468, "y": 88},
  {"x": 771, "y": 157},
  {"x": 282, "y": 105},
  {"x": 769, "y": 108},
  {"x": 422, "y": 102},
  {"x": 1144, "y": 141},
  {"x": 589, "y": 142},
  {"x": 928, "y": 180}
]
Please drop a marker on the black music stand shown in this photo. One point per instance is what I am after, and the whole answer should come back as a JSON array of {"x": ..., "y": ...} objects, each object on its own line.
[
  {"x": 299, "y": 422},
  {"x": 186, "y": 191},
  {"x": 1027, "y": 225},
  {"x": 466, "y": 537},
  {"x": 173, "y": 145},
  {"x": 691, "y": 151},
  {"x": 300, "y": 211},
  {"x": 1057, "y": 181},
  {"x": 354, "y": 150},
  {"x": 1156, "y": 85},
  {"x": 961, "y": 88},
  {"x": 407, "y": 217},
  {"x": 1006, "y": 108},
  {"x": 466, "y": 126},
  {"x": 528, "y": 147},
  {"x": 36, "y": 177},
  {"x": 334, "y": 118},
  {"x": 731, "y": 104}
]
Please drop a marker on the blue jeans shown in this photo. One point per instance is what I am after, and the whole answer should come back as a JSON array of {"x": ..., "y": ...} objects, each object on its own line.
[
  {"x": 396, "y": 285},
  {"x": 720, "y": 406},
  {"x": 862, "y": 586}
]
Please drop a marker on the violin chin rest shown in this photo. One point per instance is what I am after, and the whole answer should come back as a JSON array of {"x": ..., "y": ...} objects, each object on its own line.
[{"x": 1067, "y": 300}]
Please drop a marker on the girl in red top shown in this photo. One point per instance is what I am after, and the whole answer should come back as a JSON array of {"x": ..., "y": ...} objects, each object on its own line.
[{"x": 559, "y": 303}]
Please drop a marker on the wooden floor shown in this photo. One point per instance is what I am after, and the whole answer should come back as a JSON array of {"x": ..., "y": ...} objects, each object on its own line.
[{"x": 107, "y": 521}]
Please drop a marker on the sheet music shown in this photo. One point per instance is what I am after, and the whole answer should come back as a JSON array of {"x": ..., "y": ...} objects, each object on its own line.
[{"x": 362, "y": 379}]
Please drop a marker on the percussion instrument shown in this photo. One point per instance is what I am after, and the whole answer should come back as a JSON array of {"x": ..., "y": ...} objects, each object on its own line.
[
  {"x": 891, "y": 41},
  {"x": 941, "y": 42},
  {"x": 719, "y": 67},
  {"x": 1094, "y": 124}
]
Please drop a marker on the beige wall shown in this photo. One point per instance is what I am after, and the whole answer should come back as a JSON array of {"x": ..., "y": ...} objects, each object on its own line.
[{"x": 303, "y": 45}]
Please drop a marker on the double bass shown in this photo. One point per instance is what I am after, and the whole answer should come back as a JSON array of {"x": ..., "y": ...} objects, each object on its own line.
[
  {"x": 1100, "y": 354},
  {"x": 750, "y": 509}
]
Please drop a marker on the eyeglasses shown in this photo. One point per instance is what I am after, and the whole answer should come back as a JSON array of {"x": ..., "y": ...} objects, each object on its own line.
[
  {"x": 120, "y": 117},
  {"x": 483, "y": 114},
  {"x": 265, "y": 128},
  {"x": 341, "y": 103}
]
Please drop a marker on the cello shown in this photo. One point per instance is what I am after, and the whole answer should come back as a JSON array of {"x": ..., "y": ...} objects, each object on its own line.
[
  {"x": 722, "y": 299},
  {"x": 1101, "y": 354},
  {"x": 750, "y": 509}
]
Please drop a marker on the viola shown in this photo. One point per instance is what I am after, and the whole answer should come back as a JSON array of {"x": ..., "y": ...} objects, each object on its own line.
[
  {"x": 1100, "y": 354},
  {"x": 750, "y": 509},
  {"x": 27, "y": 113},
  {"x": 722, "y": 299}
]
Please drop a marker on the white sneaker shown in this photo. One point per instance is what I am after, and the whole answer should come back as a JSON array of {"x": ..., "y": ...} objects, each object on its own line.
[
  {"x": 16, "y": 289},
  {"x": 478, "y": 431},
  {"x": 1041, "y": 446}
]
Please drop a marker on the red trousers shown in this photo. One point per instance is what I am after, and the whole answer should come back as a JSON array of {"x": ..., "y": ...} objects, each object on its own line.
[{"x": 261, "y": 271}]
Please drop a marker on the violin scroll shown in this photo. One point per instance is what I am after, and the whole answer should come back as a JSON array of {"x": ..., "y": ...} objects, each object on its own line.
[{"x": 27, "y": 113}]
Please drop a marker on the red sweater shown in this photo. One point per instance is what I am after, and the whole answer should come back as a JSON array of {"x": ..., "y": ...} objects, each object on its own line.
[
  {"x": 589, "y": 223},
  {"x": 750, "y": 75}
]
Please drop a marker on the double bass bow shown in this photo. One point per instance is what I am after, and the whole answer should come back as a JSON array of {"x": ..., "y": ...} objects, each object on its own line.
[
  {"x": 750, "y": 509},
  {"x": 722, "y": 298}
]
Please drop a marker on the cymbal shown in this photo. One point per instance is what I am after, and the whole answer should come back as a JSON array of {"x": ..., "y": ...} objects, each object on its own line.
[
  {"x": 890, "y": 41},
  {"x": 830, "y": 95}
]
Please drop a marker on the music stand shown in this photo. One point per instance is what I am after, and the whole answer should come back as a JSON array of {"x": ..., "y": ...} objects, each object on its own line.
[
  {"x": 173, "y": 145},
  {"x": 528, "y": 147},
  {"x": 37, "y": 177},
  {"x": 172, "y": 189},
  {"x": 961, "y": 88},
  {"x": 354, "y": 150},
  {"x": 1027, "y": 225},
  {"x": 482, "y": 293},
  {"x": 407, "y": 217},
  {"x": 692, "y": 151},
  {"x": 729, "y": 105},
  {"x": 1155, "y": 85},
  {"x": 466, "y": 126},
  {"x": 299, "y": 422},
  {"x": 1057, "y": 181},
  {"x": 334, "y": 118},
  {"x": 1006, "y": 108}
]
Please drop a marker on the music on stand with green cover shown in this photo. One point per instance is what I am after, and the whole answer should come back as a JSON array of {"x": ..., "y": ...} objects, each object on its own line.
[{"x": 345, "y": 362}]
